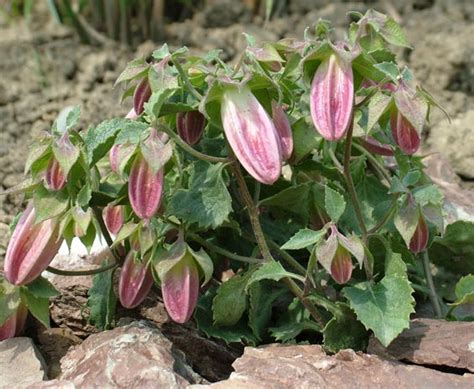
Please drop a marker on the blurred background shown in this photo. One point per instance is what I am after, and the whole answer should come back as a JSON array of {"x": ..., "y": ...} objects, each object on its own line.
[{"x": 55, "y": 53}]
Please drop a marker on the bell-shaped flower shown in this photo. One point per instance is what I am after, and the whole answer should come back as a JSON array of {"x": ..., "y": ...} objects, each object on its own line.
[
  {"x": 190, "y": 126},
  {"x": 114, "y": 217},
  {"x": 32, "y": 247},
  {"x": 404, "y": 133},
  {"x": 251, "y": 134},
  {"x": 332, "y": 97},
  {"x": 135, "y": 281},
  {"x": 54, "y": 177},
  {"x": 180, "y": 272},
  {"x": 282, "y": 125},
  {"x": 419, "y": 240},
  {"x": 334, "y": 254},
  {"x": 141, "y": 95},
  {"x": 14, "y": 324}
]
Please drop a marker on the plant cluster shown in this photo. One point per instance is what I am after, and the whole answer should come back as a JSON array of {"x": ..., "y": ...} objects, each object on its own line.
[{"x": 278, "y": 199}]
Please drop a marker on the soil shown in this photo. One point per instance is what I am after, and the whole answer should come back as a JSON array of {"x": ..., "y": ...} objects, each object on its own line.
[{"x": 44, "y": 68}]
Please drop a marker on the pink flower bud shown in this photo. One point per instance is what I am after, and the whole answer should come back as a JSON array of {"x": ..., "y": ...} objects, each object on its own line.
[
  {"x": 332, "y": 98},
  {"x": 114, "y": 158},
  {"x": 375, "y": 147},
  {"x": 54, "y": 177},
  {"x": 114, "y": 218},
  {"x": 404, "y": 134},
  {"x": 145, "y": 188},
  {"x": 251, "y": 134},
  {"x": 341, "y": 266},
  {"x": 283, "y": 128},
  {"x": 14, "y": 325},
  {"x": 31, "y": 248},
  {"x": 135, "y": 282},
  {"x": 180, "y": 289},
  {"x": 190, "y": 126},
  {"x": 419, "y": 240},
  {"x": 141, "y": 95}
]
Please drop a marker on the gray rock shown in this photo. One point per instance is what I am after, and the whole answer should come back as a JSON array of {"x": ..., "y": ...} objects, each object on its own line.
[
  {"x": 432, "y": 342},
  {"x": 302, "y": 366},
  {"x": 20, "y": 363},
  {"x": 133, "y": 356}
]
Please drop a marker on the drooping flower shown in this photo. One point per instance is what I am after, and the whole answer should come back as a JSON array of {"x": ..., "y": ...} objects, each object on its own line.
[
  {"x": 31, "y": 249},
  {"x": 14, "y": 324},
  {"x": 55, "y": 178},
  {"x": 283, "y": 128},
  {"x": 419, "y": 240},
  {"x": 405, "y": 135},
  {"x": 341, "y": 266},
  {"x": 135, "y": 282},
  {"x": 251, "y": 134},
  {"x": 114, "y": 218},
  {"x": 141, "y": 95},
  {"x": 190, "y": 126},
  {"x": 332, "y": 97}
]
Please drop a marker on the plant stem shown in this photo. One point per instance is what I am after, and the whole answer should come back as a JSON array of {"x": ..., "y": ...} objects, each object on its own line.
[
  {"x": 287, "y": 257},
  {"x": 185, "y": 79},
  {"x": 375, "y": 162},
  {"x": 181, "y": 143},
  {"x": 87, "y": 272},
  {"x": 385, "y": 218},
  {"x": 252, "y": 210},
  {"x": 221, "y": 251},
  {"x": 429, "y": 280}
]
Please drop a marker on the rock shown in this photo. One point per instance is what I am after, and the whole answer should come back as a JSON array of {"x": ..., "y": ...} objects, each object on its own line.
[
  {"x": 432, "y": 342},
  {"x": 20, "y": 363},
  {"x": 134, "y": 356},
  {"x": 304, "y": 366},
  {"x": 456, "y": 142}
]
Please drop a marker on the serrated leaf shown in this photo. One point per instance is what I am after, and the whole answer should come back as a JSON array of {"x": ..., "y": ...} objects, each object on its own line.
[
  {"x": 42, "y": 288},
  {"x": 412, "y": 107},
  {"x": 37, "y": 151},
  {"x": 304, "y": 238},
  {"x": 9, "y": 300},
  {"x": 394, "y": 265},
  {"x": 230, "y": 302},
  {"x": 49, "y": 204},
  {"x": 334, "y": 203},
  {"x": 38, "y": 306},
  {"x": 384, "y": 308},
  {"x": 207, "y": 202},
  {"x": 135, "y": 68},
  {"x": 345, "y": 332},
  {"x": 406, "y": 221},
  {"x": 428, "y": 194},
  {"x": 65, "y": 153},
  {"x": 27, "y": 185},
  {"x": 390, "y": 69},
  {"x": 125, "y": 232},
  {"x": 394, "y": 34},
  {"x": 102, "y": 300},
  {"x": 271, "y": 271},
  {"x": 156, "y": 153},
  {"x": 295, "y": 199}
]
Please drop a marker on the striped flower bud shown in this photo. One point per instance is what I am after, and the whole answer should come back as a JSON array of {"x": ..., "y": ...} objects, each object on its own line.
[
  {"x": 282, "y": 125},
  {"x": 332, "y": 97},
  {"x": 141, "y": 95},
  {"x": 404, "y": 134},
  {"x": 31, "y": 249},
  {"x": 114, "y": 216},
  {"x": 145, "y": 189},
  {"x": 132, "y": 114},
  {"x": 341, "y": 266},
  {"x": 14, "y": 324},
  {"x": 375, "y": 147},
  {"x": 190, "y": 126},
  {"x": 55, "y": 179},
  {"x": 135, "y": 282},
  {"x": 419, "y": 240},
  {"x": 251, "y": 135}
]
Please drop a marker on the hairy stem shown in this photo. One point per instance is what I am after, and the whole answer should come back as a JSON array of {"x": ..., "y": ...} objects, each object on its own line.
[
  {"x": 429, "y": 281},
  {"x": 185, "y": 79}
]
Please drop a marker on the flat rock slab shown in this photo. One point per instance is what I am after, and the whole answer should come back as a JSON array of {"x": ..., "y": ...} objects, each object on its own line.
[
  {"x": 308, "y": 367},
  {"x": 432, "y": 342},
  {"x": 133, "y": 356},
  {"x": 20, "y": 363}
]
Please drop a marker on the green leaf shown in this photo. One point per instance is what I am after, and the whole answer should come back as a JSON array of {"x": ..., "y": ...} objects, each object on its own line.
[
  {"x": 38, "y": 151},
  {"x": 412, "y": 107},
  {"x": 428, "y": 194},
  {"x": 345, "y": 332},
  {"x": 304, "y": 238},
  {"x": 377, "y": 106},
  {"x": 9, "y": 300},
  {"x": 42, "y": 288},
  {"x": 66, "y": 154},
  {"x": 394, "y": 34},
  {"x": 49, "y": 204},
  {"x": 294, "y": 199},
  {"x": 235, "y": 334},
  {"x": 155, "y": 102},
  {"x": 304, "y": 139},
  {"x": 38, "y": 306},
  {"x": 394, "y": 265},
  {"x": 334, "y": 204},
  {"x": 390, "y": 69},
  {"x": 271, "y": 271},
  {"x": 134, "y": 69},
  {"x": 207, "y": 201},
  {"x": 464, "y": 291},
  {"x": 230, "y": 302},
  {"x": 384, "y": 308},
  {"x": 102, "y": 300},
  {"x": 406, "y": 221},
  {"x": 204, "y": 263},
  {"x": 84, "y": 195}
]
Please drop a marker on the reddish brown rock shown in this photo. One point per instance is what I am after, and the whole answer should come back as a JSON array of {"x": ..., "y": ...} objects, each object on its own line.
[
  {"x": 304, "y": 366},
  {"x": 134, "y": 356},
  {"x": 432, "y": 342}
]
